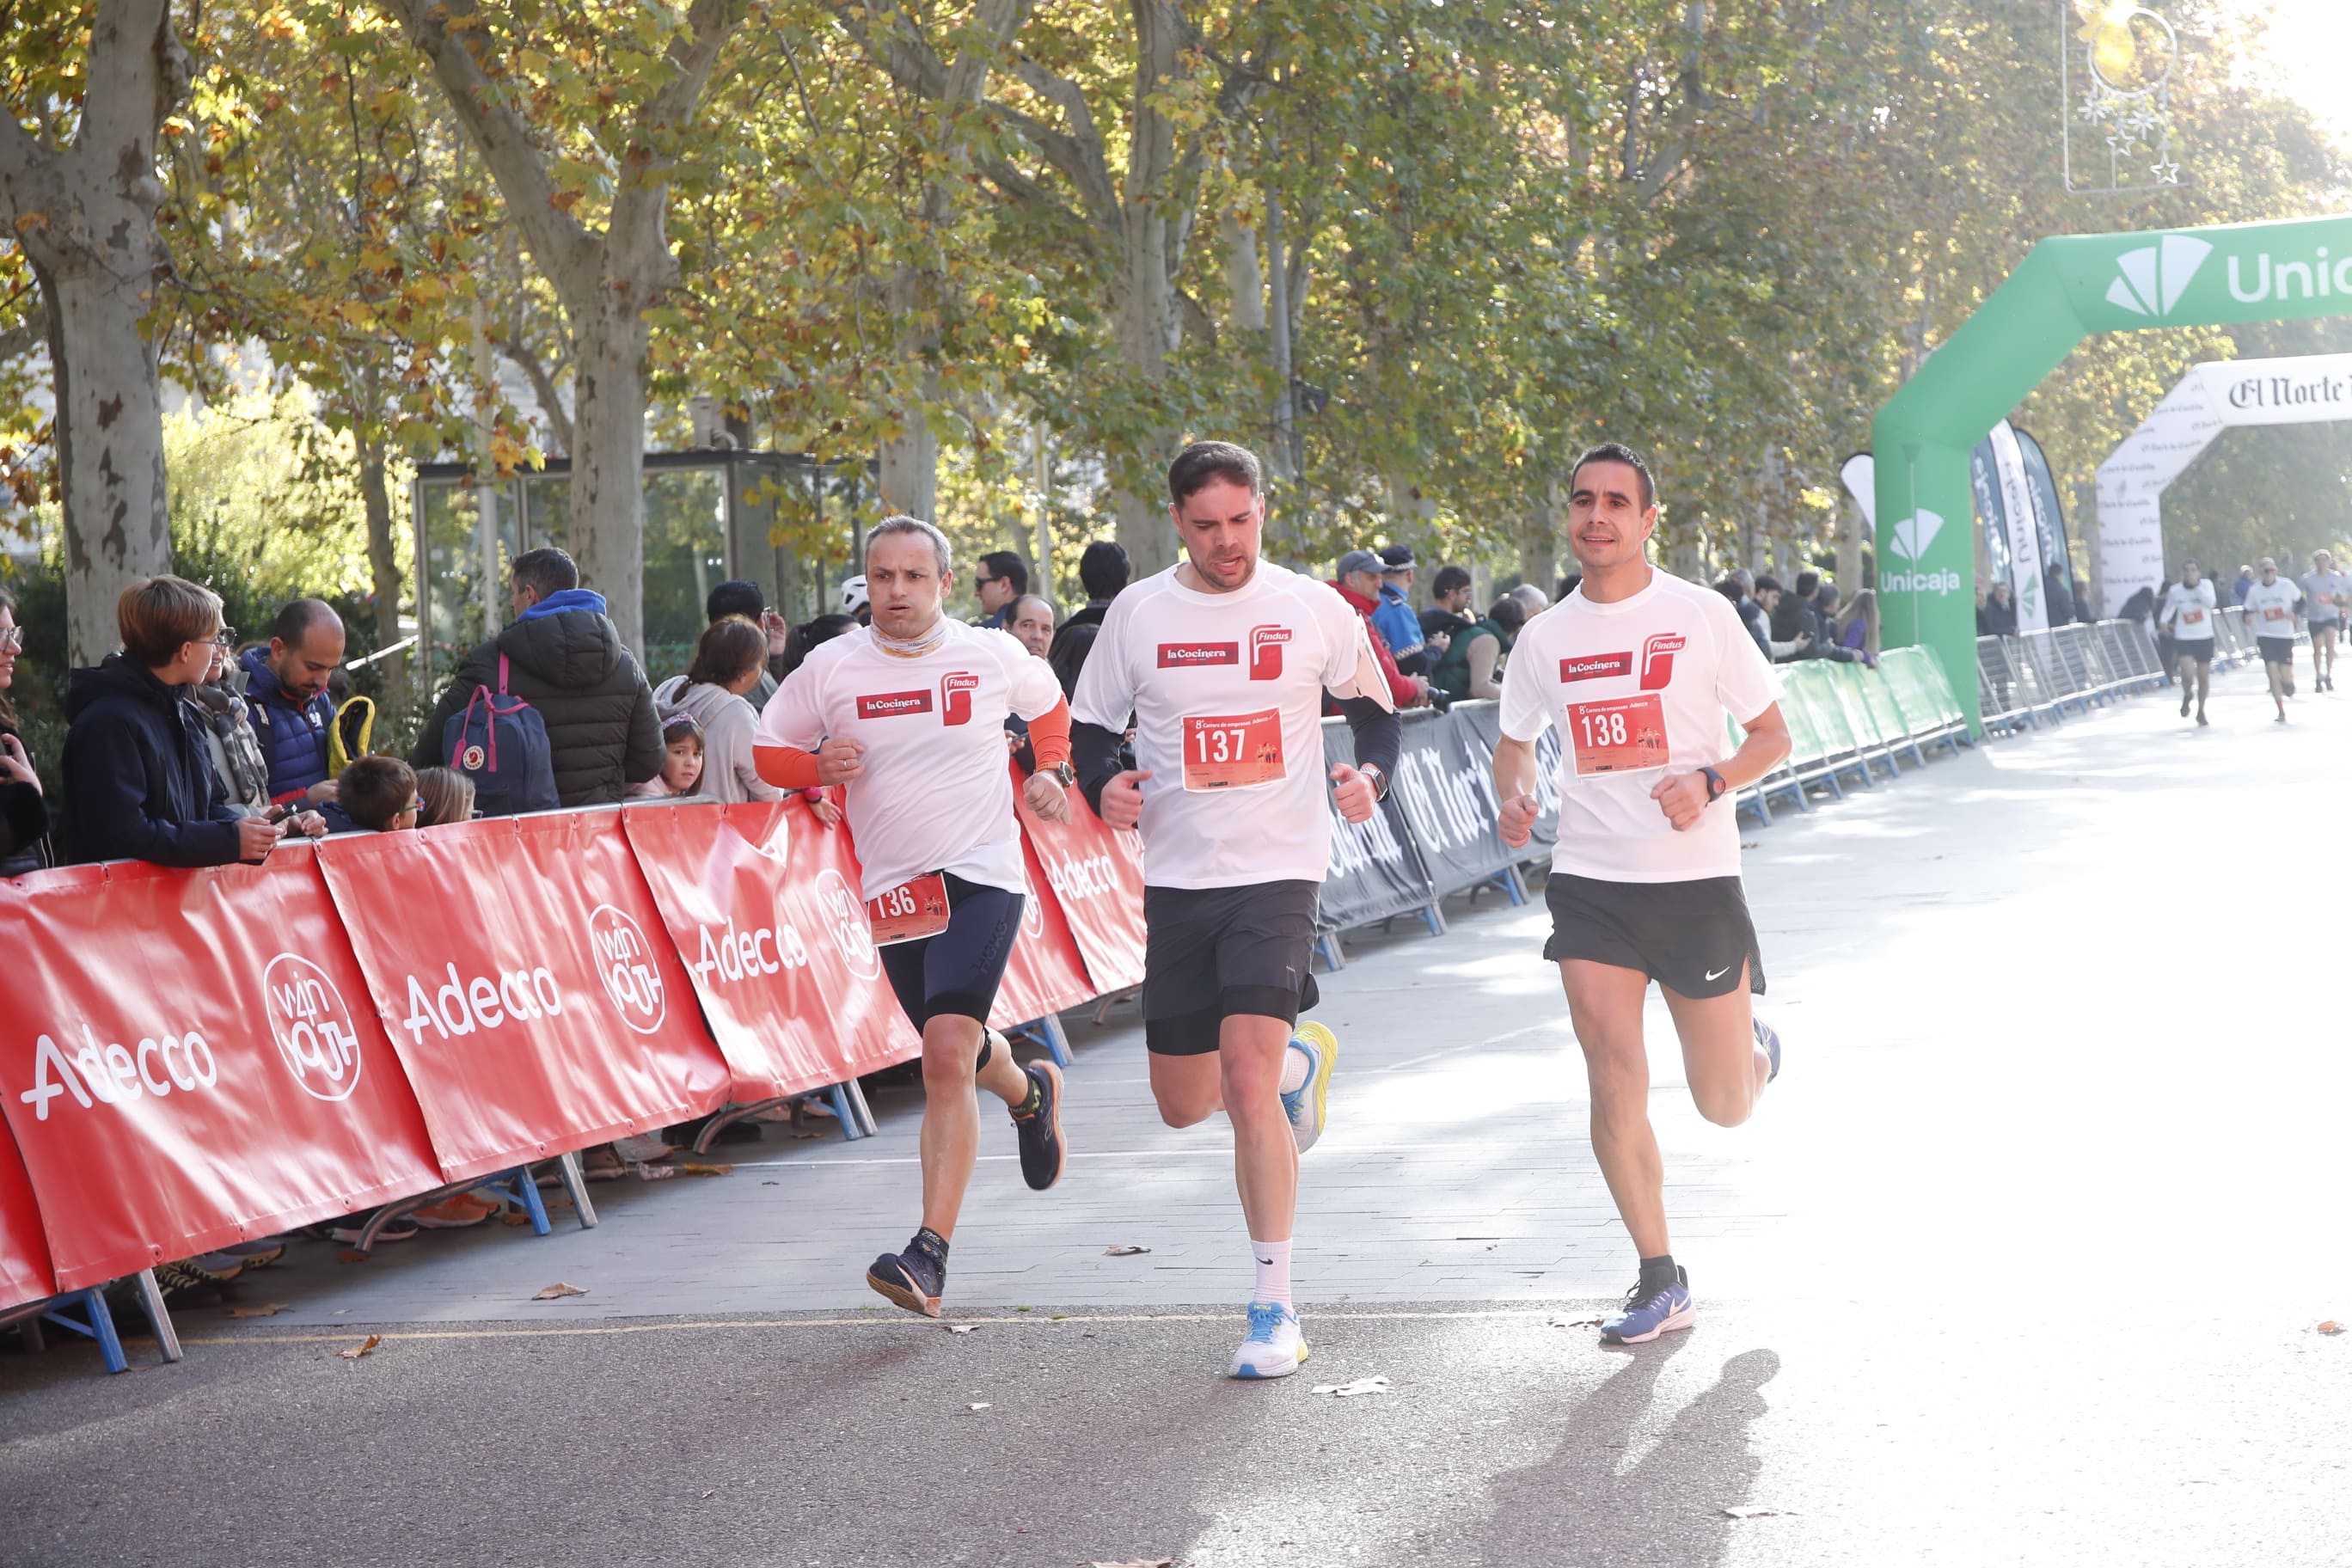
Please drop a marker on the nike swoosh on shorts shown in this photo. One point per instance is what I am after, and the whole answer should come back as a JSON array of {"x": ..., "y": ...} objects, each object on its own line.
[{"x": 1718, "y": 974}]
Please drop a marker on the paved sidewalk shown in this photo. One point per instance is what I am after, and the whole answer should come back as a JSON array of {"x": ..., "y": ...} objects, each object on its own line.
[{"x": 2019, "y": 1262}]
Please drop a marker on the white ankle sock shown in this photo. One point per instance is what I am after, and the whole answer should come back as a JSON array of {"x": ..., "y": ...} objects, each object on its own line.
[{"x": 1272, "y": 1258}]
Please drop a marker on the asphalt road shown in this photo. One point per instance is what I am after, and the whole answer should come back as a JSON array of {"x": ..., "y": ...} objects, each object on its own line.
[{"x": 2022, "y": 1262}]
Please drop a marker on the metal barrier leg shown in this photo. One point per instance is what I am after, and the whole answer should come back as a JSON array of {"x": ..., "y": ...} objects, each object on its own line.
[
  {"x": 840, "y": 1098},
  {"x": 1507, "y": 878},
  {"x": 855, "y": 1092},
  {"x": 1434, "y": 918},
  {"x": 97, "y": 1323},
  {"x": 1326, "y": 946},
  {"x": 1058, "y": 1045},
  {"x": 159, "y": 1316},
  {"x": 533, "y": 1204},
  {"x": 576, "y": 1186}
]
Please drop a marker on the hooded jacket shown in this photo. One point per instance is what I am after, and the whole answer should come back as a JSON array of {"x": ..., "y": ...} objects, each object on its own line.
[
  {"x": 564, "y": 658},
  {"x": 1400, "y": 685},
  {"x": 23, "y": 823},
  {"x": 293, "y": 735},
  {"x": 729, "y": 727},
  {"x": 139, "y": 781}
]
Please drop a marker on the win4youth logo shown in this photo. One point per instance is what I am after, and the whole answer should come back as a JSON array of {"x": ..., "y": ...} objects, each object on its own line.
[
  {"x": 2150, "y": 280},
  {"x": 1910, "y": 541}
]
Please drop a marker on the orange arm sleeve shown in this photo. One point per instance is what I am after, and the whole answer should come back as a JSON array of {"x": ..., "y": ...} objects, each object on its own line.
[
  {"x": 786, "y": 767},
  {"x": 1049, "y": 737}
]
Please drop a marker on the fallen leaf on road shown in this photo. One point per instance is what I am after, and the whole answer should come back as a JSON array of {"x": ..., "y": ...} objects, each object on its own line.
[
  {"x": 981, "y": 1405},
  {"x": 1059, "y": 1317},
  {"x": 712, "y": 1493},
  {"x": 1745, "y": 1512},
  {"x": 1349, "y": 1390},
  {"x": 516, "y": 1217},
  {"x": 353, "y": 1255},
  {"x": 2331, "y": 1327},
  {"x": 1562, "y": 1321},
  {"x": 557, "y": 1293},
  {"x": 1124, "y": 1249},
  {"x": 271, "y": 1310},
  {"x": 363, "y": 1348},
  {"x": 708, "y": 1169},
  {"x": 960, "y": 1328}
]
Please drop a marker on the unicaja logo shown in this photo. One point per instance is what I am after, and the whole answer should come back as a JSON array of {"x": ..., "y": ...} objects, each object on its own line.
[
  {"x": 1912, "y": 535},
  {"x": 2150, "y": 280}
]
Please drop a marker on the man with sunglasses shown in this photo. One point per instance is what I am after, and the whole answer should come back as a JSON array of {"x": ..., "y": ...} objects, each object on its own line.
[{"x": 999, "y": 581}]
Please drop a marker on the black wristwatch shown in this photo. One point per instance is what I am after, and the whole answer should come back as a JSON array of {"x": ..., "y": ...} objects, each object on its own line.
[
  {"x": 1065, "y": 775},
  {"x": 1714, "y": 785}
]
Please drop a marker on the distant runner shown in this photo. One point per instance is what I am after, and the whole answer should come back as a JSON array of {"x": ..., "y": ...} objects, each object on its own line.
[
  {"x": 2270, "y": 610},
  {"x": 2326, "y": 598},
  {"x": 2188, "y": 614},
  {"x": 1638, "y": 670},
  {"x": 1224, "y": 661},
  {"x": 909, "y": 713}
]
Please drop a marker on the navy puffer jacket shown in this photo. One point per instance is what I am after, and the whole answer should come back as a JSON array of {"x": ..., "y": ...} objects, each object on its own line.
[
  {"x": 293, "y": 735},
  {"x": 138, "y": 783}
]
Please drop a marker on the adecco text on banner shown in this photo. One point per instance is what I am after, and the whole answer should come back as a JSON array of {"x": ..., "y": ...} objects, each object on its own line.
[
  {"x": 461, "y": 1006},
  {"x": 116, "y": 1074}
]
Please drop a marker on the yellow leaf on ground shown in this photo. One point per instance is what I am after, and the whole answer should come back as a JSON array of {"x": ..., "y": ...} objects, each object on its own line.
[
  {"x": 558, "y": 1292},
  {"x": 361, "y": 1348}
]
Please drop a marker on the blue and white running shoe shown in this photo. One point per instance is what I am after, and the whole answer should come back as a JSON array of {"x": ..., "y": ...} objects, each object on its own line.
[
  {"x": 1770, "y": 1039},
  {"x": 1277, "y": 1345},
  {"x": 1645, "y": 1317},
  {"x": 1314, "y": 1052}
]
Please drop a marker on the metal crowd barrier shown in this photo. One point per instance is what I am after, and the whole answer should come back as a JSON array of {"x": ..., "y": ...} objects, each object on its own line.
[{"x": 2024, "y": 679}]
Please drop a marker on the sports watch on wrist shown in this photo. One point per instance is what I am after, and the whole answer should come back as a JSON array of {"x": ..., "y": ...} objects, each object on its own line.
[
  {"x": 1374, "y": 771},
  {"x": 1066, "y": 775},
  {"x": 1714, "y": 785}
]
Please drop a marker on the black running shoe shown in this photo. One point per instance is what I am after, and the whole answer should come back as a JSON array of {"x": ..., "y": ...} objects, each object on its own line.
[
  {"x": 914, "y": 1279},
  {"x": 1042, "y": 1152}
]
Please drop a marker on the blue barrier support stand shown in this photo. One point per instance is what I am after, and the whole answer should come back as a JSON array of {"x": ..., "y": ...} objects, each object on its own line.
[
  {"x": 1327, "y": 948},
  {"x": 1047, "y": 1030},
  {"x": 95, "y": 1323},
  {"x": 838, "y": 1094}
]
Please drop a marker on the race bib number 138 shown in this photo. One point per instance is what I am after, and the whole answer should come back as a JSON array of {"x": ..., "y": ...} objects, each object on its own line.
[
  {"x": 1232, "y": 751},
  {"x": 1622, "y": 735}
]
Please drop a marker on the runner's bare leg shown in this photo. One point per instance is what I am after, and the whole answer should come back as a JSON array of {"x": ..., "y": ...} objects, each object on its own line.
[
  {"x": 1188, "y": 1089},
  {"x": 1726, "y": 1065},
  {"x": 1604, "y": 1003},
  {"x": 1250, "y": 1048},
  {"x": 950, "y": 1136}
]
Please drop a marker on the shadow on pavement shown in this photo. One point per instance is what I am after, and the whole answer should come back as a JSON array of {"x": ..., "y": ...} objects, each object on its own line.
[{"x": 1584, "y": 1504}]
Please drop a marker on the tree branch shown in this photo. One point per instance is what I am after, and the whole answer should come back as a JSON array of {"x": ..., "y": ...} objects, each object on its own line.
[
  {"x": 565, "y": 247},
  {"x": 30, "y": 333},
  {"x": 542, "y": 386},
  {"x": 643, "y": 199}
]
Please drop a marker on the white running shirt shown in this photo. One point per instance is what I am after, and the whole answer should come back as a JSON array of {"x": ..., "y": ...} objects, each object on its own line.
[
  {"x": 1227, "y": 694},
  {"x": 2320, "y": 591},
  {"x": 937, "y": 793},
  {"x": 2190, "y": 612},
  {"x": 2270, "y": 609},
  {"x": 1636, "y": 689}
]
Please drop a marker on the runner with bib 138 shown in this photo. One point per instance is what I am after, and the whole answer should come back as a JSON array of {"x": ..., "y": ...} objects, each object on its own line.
[
  {"x": 909, "y": 714},
  {"x": 1638, "y": 669},
  {"x": 1222, "y": 661}
]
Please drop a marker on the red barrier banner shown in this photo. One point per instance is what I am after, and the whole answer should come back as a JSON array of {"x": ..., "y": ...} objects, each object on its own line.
[
  {"x": 519, "y": 967},
  {"x": 1046, "y": 972},
  {"x": 190, "y": 1060},
  {"x": 1096, "y": 879},
  {"x": 25, "y": 1272},
  {"x": 760, "y": 901}
]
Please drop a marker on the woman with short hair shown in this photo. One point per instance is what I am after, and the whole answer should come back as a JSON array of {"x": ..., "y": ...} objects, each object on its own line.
[{"x": 715, "y": 693}]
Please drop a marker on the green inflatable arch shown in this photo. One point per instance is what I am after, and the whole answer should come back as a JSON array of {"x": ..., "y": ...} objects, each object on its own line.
[{"x": 2066, "y": 289}]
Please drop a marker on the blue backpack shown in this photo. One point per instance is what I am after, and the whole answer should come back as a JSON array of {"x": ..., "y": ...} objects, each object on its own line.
[{"x": 500, "y": 742}]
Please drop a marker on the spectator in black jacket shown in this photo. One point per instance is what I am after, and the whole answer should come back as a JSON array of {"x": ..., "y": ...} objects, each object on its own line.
[
  {"x": 1797, "y": 622},
  {"x": 23, "y": 815},
  {"x": 564, "y": 655},
  {"x": 1103, "y": 571},
  {"x": 1998, "y": 616},
  {"x": 138, "y": 780}
]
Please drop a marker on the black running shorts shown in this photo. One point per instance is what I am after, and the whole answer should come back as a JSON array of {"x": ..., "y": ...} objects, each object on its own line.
[
  {"x": 2277, "y": 650},
  {"x": 1689, "y": 937},
  {"x": 2199, "y": 648},
  {"x": 1211, "y": 954},
  {"x": 957, "y": 972}
]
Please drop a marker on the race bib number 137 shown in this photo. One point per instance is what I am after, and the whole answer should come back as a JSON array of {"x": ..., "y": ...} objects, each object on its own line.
[
  {"x": 1622, "y": 735},
  {"x": 1232, "y": 751}
]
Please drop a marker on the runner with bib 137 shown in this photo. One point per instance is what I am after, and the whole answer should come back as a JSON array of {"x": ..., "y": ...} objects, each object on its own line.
[
  {"x": 909, "y": 714},
  {"x": 1639, "y": 670},
  {"x": 1223, "y": 662}
]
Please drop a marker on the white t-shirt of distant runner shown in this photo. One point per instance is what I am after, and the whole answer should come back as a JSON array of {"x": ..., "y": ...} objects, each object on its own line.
[
  {"x": 1637, "y": 688},
  {"x": 2321, "y": 590},
  {"x": 937, "y": 793},
  {"x": 2190, "y": 612},
  {"x": 1226, "y": 691},
  {"x": 2270, "y": 609}
]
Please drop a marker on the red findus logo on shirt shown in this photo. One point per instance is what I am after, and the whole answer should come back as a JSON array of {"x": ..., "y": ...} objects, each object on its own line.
[
  {"x": 1265, "y": 652},
  {"x": 955, "y": 696},
  {"x": 890, "y": 704},
  {"x": 1658, "y": 659},
  {"x": 1191, "y": 655},
  {"x": 1594, "y": 666}
]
